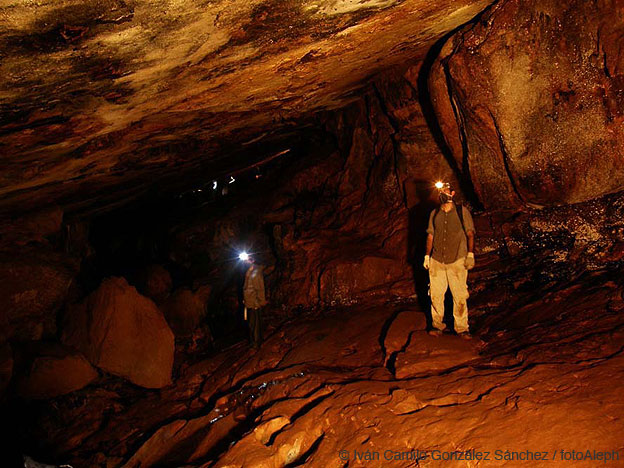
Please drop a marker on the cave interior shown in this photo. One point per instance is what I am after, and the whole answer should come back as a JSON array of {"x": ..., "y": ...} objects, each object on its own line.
[{"x": 147, "y": 145}]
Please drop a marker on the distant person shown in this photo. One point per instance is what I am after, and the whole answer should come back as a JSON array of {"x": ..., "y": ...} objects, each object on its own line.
[
  {"x": 254, "y": 300},
  {"x": 449, "y": 256}
]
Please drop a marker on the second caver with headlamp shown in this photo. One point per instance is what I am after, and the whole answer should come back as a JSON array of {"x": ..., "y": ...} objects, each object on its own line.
[
  {"x": 254, "y": 297},
  {"x": 449, "y": 256}
]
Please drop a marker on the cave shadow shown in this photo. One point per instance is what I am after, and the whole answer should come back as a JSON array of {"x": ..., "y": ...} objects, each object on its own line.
[{"x": 418, "y": 219}]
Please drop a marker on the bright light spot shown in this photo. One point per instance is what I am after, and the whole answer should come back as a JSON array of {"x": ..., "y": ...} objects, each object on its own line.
[
  {"x": 244, "y": 256},
  {"x": 232, "y": 179},
  {"x": 214, "y": 185},
  {"x": 439, "y": 185}
]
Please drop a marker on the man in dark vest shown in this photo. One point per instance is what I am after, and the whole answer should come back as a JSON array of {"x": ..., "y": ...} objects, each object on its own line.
[{"x": 449, "y": 256}]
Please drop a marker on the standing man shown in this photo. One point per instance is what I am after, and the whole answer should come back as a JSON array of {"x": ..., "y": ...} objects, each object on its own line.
[
  {"x": 254, "y": 299},
  {"x": 451, "y": 239}
]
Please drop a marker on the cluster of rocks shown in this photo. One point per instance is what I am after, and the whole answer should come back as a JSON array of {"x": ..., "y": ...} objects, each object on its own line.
[
  {"x": 370, "y": 377},
  {"x": 54, "y": 342}
]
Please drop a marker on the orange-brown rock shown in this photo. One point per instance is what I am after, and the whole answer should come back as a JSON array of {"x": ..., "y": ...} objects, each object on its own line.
[
  {"x": 129, "y": 105},
  {"x": 522, "y": 113},
  {"x": 124, "y": 333},
  {"x": 33, "y": 288},
  {"x": 34, "y": 227},
  {"x": 185, "y": 310},
  {"x": 341, "y": 282},
  {"x": 321, "y": 385},
  {"x": 399, "y": 334},
  {"x": 155, "y": 282},
  {"x": 54, "y": 370},
  {"x": 530, "y": 102}
]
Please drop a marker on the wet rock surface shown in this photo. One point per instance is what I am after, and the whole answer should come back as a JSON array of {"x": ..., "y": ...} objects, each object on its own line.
[{"x": 323, "y": 384}]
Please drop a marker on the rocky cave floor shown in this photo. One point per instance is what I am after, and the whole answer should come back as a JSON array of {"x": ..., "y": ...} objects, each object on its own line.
[{"x": 371, "y": 379}]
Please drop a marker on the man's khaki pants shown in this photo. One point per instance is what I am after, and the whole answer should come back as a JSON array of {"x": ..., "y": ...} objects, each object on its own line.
[{"x": 441, "y": 277}]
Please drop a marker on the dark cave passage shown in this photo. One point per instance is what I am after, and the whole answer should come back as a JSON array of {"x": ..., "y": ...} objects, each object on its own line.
[{"x": 222, "y": 243}]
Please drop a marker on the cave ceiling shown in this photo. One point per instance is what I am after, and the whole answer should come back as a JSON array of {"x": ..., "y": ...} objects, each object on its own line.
[{"x": 101, "y": 99}]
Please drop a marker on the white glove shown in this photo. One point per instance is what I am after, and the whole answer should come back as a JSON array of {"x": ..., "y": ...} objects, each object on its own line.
[
  {"x": 469, "y": 263},
  {"x": 426, "y": 263}
]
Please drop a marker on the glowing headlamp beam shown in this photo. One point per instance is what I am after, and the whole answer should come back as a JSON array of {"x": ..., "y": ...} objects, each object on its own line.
[
  {"x": 439, "y": 185},
  {"x": 244, "y": 256}
]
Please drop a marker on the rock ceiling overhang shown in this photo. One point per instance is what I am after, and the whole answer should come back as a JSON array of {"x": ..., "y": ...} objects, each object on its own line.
[{"x": 101, "y": 98}]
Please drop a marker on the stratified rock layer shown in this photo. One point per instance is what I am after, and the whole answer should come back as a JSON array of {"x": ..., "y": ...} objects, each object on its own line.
[
  {"x": 101, "y": 99},
  {"x": 123, "y": 333}
]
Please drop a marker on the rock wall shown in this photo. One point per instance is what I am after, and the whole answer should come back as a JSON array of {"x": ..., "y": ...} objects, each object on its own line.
[
  {"x": 530, "y": 101},
  {"x": 344, "y": 222},
  {"x": 36, "y": 275},
  {"x": 520, "y": 111}
]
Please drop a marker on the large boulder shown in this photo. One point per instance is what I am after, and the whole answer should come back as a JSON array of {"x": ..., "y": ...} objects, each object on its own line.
[
  {"x": 530, "y": 100},
  {"x": 124, "y": 333},
  {"x": 54, "y": 370}
]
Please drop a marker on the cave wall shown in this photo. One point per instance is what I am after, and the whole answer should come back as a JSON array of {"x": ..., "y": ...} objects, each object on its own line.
[
  {"x": 521, "y": 112},
  {"x": 527, "y": 102},
  {"x": 102, "y": 99},
  {"x": 530, "y": 120},
  {"x": 36, "y": 275},
  {"x": 530, "y": 101},
  {"x": 345, "y": 223}
]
